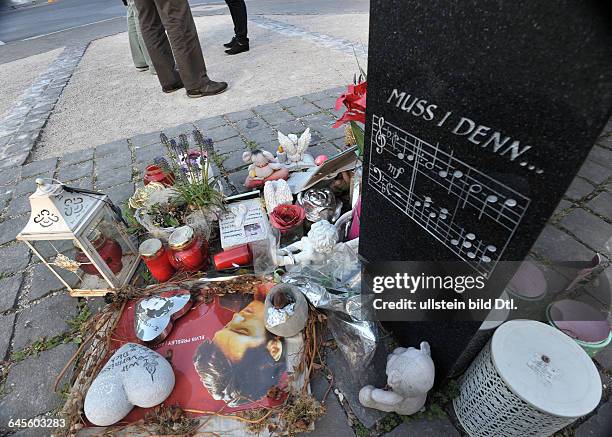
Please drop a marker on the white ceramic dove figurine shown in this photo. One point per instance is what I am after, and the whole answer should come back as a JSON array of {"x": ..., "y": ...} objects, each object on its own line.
[
  {"x": 410, "y": 375},
  {"x": 295, "y": 148}
]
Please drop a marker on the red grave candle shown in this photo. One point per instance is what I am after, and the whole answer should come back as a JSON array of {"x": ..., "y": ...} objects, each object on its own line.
[
  {"x": 154, "y": 173},
  {"x": 155, "y": 256},
  {"x": 188, "y": 251},
  {"x": 109, "y": 250}
]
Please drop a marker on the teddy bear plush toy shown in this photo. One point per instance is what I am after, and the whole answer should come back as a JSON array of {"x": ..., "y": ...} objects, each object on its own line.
[
  {"x": 410, "y": 375},
  {"x": 264, "y": 167}
]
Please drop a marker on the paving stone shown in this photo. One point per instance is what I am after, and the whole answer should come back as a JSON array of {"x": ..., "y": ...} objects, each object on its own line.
[
  {"x": 231, "y": 145},
  {"x": 335, "y": 92},
  {"x": 606, "y": 141},
  {"x": 121, "y": 193},
  {"x": 601, "y": 156},
  {"x": 598, "y": 425},
  {"x": 6, "y": 328},
  {"x": 116, "y": 176},
  {"x": 594, "y": 172},
  {"x": 28, "y": 186},
  {"x": 208, "y": 123},
  {"x": 14, "y": 258},
  {"x": 589, "y": 228},
  {"x": 556, "y": 245},
  {"x": 266, "y": 139},
  {"x": 578, "y": 189},
  {"x": 38, "y": 167},
  {"x": 323, "y": 148},
  {"x": 314, "y": 97},
  {"x": 75, "y": 171},
  {"x": 237, "y": 180},
  {"x": 291, "y": 127},
  {"x": 110, "y": 148},
  {"x": 322, "y": 123},
  {"x": 45, "y": 282},
  {"x": 328, "y": 103},
  {"x": 84, "y": 183},
  {"x": 108, "y": 162},
  {"x": 304, "y": 109},
  {"x": 8, "y": 176},
  {"x": 48, "y": 249},
  {"x": 250, "y": 124},
  {"x": 145, "y": 139},
  {"x": 334, "y": 422},
  {"x": 349, "y": 382},
  {"x": 148, "y": 153},
  {"x": 221, "y": 133},
  {"x": 602, "y": 204},
  {"x": 267, "y": 108},
  {"x": 240, "y": 115},
  {"x": 233, "y": 160},
  {"x": 175, "y": 131},
  {"x": 10, "y": 228},
  {"x": 9, "y": 289},
  {"x": 45, "y": 319},
  {"x": 19, "y": 205},
  {"x": 425, "y": 428},
  {"x": 562, "y": 206},
  {"x": 30, "y": 384},
  {"x": 278, "y": 117},
  {"x": 76, "y": 157},
  {"x": 291, "y": 102}
]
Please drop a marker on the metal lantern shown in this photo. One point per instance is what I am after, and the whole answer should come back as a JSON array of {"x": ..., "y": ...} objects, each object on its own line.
[{"x": 79, "y": 235}]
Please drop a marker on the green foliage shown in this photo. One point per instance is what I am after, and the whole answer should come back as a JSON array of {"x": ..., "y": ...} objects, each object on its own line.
[
  {"x": 192, "y": 183},
  {"x": 388, "y": 423},
  {"x": 361, "y": 430},
  {"x": 75, "y": 335},
  {"x": 252, "y": 145},
  {"x": 359, "y": 137}
]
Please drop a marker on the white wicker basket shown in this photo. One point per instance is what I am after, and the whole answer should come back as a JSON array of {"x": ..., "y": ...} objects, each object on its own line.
[{"x": 529, "y": 380}]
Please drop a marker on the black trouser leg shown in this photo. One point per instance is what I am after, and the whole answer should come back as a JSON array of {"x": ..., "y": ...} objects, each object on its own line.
[
  {"x": 154, "y": 36},
  {"x": 238, "y": 11}
]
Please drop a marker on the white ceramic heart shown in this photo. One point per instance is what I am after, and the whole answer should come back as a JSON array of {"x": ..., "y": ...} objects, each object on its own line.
[{"x": 134, "y": 376}]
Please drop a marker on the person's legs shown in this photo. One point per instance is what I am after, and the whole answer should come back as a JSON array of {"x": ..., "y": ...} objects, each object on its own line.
[
  {"x": 141, "y": 42},
  {"x": 157, "y": 44},
  {"x": 239, "y": 17},
  {"x": 135, "y": 48},
  {"x": 178, "y": 21}
]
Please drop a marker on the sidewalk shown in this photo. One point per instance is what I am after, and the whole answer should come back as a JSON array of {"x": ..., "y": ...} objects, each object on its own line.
[{"x": 34, "y": 305}]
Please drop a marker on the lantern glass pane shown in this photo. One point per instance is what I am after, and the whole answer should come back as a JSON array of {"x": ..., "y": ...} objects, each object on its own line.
[
  {"x": 109, "y": 238},
  {"x": 61, "y": 257}
]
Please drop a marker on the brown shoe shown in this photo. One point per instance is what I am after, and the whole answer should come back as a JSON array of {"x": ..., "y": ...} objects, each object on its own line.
[
  {"x": 172, "y": 88},
  {"x": 210, "y": 89}
]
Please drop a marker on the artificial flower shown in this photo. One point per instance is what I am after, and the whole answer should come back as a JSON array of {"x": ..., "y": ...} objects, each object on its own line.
[{"x": 285, "y": 217}]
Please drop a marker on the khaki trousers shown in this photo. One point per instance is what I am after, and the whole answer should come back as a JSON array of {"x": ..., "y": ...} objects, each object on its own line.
[
  {"x": 140, "y": 55},
  {"x": 172, "y": 17}
]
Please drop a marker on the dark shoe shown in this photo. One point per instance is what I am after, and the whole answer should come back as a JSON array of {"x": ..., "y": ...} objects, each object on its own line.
[
  {"x": 145, "y": 68},
  {"x": 239, "y": 47},
  {"x": 210, "y": 89},
  {"x": 172, "y": 88},
  {"x": 230, "y": 44}
]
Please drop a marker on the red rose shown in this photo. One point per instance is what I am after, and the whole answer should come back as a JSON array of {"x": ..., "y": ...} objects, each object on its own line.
[{"x": 286, "y": 217}]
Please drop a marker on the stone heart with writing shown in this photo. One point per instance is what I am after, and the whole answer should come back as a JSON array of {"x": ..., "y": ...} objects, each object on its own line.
[
  {"x": 134, "y": 376},
  {"x": 154, "y": 315}
]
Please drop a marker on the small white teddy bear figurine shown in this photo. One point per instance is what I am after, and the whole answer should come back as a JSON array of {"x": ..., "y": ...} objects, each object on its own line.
[
  {"x": 295, "y": 148},
  {"x": 264, "y": 167},
  {"x": 313, "y": 249},
  {"x": 410, "y": 375}
]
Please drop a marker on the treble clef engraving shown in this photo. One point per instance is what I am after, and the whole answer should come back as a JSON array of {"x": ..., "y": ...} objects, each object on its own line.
[{"x": 380, "y": 138}]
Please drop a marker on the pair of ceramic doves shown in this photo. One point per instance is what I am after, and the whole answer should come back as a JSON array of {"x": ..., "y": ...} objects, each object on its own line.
[{"x": 295, "y": 147}]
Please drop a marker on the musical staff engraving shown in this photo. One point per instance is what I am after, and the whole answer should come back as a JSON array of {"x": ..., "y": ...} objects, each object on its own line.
[{"x": 470, "y": 212}]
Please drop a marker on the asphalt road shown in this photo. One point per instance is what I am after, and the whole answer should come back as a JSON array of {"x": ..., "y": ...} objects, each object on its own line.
[{"x": 28, "y": 31}]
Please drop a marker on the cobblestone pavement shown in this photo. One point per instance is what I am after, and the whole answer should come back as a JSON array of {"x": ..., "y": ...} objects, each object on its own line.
[
  {"x": 36, "y": 313},
  {"x": 20, "y": 129},
  {"x": 33, "y": 305}
]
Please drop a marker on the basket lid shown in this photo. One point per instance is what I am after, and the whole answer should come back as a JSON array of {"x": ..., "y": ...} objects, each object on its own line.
[{"x": 546, "y": 368}]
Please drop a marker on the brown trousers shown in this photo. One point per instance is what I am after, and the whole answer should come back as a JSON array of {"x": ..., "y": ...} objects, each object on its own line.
[{"x": 158, "y": 17}]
